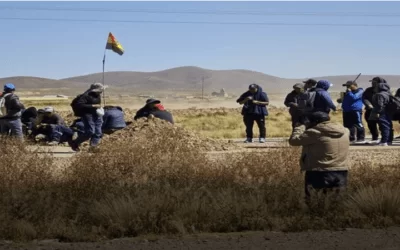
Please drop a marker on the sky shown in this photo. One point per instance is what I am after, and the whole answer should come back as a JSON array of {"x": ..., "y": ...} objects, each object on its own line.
[{"x": 55, "y": 49}]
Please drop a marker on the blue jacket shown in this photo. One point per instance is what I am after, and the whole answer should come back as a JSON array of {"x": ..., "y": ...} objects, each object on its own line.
[
  {"x": 323, "y": 101},
  {"x": 353, "y": 101},
  {"x": 254, "y": 109},
  {"x": 113, "y": 118}
]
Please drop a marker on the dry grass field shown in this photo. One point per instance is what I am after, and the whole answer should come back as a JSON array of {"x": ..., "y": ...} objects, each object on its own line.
[
  {"x": 163, "y": 185},
  {"x": 160, "y": 183}
]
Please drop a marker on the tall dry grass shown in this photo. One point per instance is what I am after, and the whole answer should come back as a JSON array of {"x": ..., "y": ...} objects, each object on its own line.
[{"x": 162, "y": 186}]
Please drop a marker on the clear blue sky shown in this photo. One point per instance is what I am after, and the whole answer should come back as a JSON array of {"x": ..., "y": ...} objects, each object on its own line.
[{"x": 63, "y": 49}]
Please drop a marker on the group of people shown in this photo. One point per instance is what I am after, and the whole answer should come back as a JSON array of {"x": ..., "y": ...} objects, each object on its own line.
[
  {"x": 325, "y": 145},
  {"x": 93, "y": 120},
  {"x": 313, "y": 96}
]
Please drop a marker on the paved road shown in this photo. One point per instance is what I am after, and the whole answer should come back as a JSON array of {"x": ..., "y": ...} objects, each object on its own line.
[{"x": 61, "y": 151}]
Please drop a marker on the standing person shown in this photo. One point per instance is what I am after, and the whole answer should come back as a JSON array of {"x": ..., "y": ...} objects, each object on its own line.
[
  {"x": 306, "y": 100},
  {"x": 372, "y": 124},
  {"x": 323, "y": 101},
  {"x": 255, "y": 103},
  {"x": 310, "y": 84},
  {"x": 352, "y": 106},
  {"x": 380, "y": 100},
  {"x": 87, "y": 106},
  {"x": 11, "y": 112},
  {"x": 292, "y": 102},
  {"x": 325, "y": 148}
]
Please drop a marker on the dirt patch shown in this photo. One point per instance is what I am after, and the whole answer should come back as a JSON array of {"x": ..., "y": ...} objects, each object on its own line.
[
  {"x": 347, "y": 239},
  {"x": 141, "y": 130}
]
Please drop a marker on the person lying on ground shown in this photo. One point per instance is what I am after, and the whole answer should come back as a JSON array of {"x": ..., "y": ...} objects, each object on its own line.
[
  {"x": 292, "y": 102},
  {"x": 255, "y": 102},
  {"x": 113, "y": 119},
  {"x": 325, "y": 148}
]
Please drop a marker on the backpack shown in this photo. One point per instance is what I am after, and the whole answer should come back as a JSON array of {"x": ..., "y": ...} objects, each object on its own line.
[
  {"x": 306, "y": 101},
  {"x": 393, "y": 107},
  {"x": 75, "y": 107},
  {"x": 3, "y": 110}
]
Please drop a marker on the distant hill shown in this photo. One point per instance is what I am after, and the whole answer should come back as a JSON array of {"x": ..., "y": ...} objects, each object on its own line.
[
  {"x": 186, "y": 78},
  {"x": 182, "y": 79}
]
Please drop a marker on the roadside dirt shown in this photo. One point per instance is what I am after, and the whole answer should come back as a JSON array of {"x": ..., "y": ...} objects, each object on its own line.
[{"x": 383, "y": 239}]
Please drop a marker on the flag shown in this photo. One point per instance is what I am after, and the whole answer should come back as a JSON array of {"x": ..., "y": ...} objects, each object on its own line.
[{"x": 114, "y": 45}]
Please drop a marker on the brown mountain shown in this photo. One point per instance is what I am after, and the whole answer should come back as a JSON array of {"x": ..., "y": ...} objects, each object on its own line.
[{"x": 181, "y": 79}]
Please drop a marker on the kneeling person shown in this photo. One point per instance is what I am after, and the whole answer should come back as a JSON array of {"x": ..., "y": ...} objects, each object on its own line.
[
  {"x": 324, "y": 154},
  {"x": 154, "y": 108},
  {"x": 113, "y": 119}
]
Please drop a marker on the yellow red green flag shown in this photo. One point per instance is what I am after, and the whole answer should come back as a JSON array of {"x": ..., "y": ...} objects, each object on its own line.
[{"x": 114, "y": 45}]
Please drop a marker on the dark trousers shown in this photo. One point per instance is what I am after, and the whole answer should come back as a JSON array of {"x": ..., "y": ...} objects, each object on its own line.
[
  {"x": 386, "y": 127},
  {"x": 353, "y": 121},
  {"x": 92, "y": 130},
  {"x": 372, "y": 125},
  {"x": 296, "y": 118},
  {"x": 61, "y": 134},
  {"x": 249, "y": 119},
  {"x": 324, "y": 180},
  {"x": 12, "y": 127}
]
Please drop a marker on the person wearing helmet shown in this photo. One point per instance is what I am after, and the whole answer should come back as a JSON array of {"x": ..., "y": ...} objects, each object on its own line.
[
  {"x": 89, "y": 106},
  {"x": 11, "y": 112}
]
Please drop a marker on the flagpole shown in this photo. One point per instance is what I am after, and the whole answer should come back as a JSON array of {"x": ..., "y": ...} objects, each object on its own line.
[{"x": 104, "y": 90}]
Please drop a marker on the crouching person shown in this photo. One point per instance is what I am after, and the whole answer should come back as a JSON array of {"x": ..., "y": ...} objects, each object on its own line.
[
  {"x": 60, "y": 134},
  {"x": 324, "y": 153},
  {"x": 113, "y": 119},
  {"x": 154, "y": 108}
]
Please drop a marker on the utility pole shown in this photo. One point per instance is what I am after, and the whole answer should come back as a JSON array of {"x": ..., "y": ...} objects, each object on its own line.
[{"x": 202, "y": 87}]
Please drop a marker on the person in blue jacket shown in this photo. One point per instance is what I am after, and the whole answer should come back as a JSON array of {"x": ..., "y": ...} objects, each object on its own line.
[
  {"x": 113, "y": 119},
  {"x": 254, "y": 109},
  {"x": 322, "y": 99},
  {"x": 352, "y": 106}
]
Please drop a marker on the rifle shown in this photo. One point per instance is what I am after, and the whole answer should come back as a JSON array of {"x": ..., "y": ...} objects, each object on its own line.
[{"x": 357, "y": 77}]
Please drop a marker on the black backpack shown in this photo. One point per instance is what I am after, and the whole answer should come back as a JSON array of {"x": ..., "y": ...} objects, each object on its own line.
[
  {"x": 75, "y": 108},
  {"x": 393, "y": 107}
]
